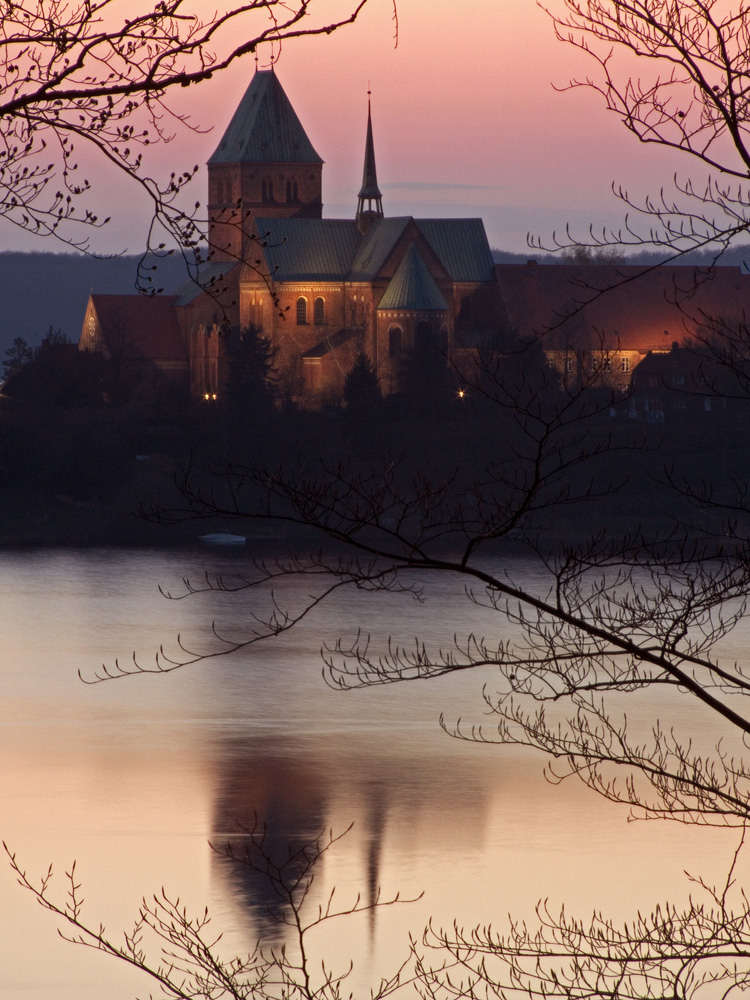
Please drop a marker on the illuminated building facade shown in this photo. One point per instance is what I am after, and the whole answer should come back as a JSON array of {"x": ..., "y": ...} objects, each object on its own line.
[{"x": 324, "y": 290}]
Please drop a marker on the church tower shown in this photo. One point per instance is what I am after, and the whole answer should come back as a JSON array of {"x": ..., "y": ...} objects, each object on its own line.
[
  {"x": 265, "y": 165},
  {"x": 370, "y": 200}
]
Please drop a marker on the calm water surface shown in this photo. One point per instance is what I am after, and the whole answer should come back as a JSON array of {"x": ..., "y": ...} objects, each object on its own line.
[{"x": 133, "y": 778}]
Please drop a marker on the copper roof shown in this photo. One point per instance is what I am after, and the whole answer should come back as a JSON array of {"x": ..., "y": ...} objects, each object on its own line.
[
  {"x": 461, "y": 244},
  {"x": 334, "y": 249},
  {"x": 412, "y": 287},
  {"x": 209, "y": 279},
  {"x": 265, "y": 128},
  {"x": 303, "y": 249},
  {"x": 369, "y": 187}
]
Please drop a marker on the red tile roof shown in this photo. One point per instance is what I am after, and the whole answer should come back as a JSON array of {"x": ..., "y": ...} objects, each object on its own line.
[{"x": 143, "y": 326}]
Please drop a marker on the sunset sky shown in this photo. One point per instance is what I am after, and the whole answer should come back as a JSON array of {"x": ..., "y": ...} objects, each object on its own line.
[{"x": 466, "y": 121}]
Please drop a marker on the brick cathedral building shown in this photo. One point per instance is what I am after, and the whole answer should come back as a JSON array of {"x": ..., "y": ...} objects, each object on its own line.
[{"x": 323, "y": 290}]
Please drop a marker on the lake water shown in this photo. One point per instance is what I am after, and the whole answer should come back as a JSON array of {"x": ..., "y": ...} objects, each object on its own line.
[{"x": 133, "y": 778}]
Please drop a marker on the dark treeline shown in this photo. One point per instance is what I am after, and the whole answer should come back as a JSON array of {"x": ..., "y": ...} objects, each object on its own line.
[{"x": 85, "y": 443}]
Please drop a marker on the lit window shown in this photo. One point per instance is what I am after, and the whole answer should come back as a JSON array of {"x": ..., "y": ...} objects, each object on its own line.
[
  {"x": 301, "y": 311},
  {"x": 320, "y": 311},
  {"x": 625, "y": 364}
]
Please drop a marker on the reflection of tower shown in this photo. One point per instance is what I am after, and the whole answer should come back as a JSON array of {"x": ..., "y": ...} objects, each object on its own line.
[{"x": 281, "y": 795}]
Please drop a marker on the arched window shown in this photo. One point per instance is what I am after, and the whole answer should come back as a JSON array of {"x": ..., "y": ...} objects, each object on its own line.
[
  {"x": 267, "y": 190},
  {"x": 395, "y": 337},
  {"x": 319, "y": 312},
  {"x": 301, "y": 311}
]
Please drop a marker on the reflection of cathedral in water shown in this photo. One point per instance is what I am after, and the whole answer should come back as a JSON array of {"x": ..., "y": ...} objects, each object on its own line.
[
  {"x": 299, "y": 794},
  {"x": 283, "y": 797}
]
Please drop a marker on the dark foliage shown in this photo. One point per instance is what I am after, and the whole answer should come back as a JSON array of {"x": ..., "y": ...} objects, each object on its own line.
[
  {"x": 251, "y": 378},
  {"x": 362, "y": 389}
]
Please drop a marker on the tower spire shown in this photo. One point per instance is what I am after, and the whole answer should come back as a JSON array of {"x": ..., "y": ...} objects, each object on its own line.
[{"x": 369, "y": 200}]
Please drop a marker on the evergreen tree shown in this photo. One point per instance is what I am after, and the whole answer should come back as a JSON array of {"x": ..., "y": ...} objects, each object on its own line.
[
  {"x": 362, "y": 389},
  {"x": 251, "y": 377},
  {"x": 17, "y": 357}
]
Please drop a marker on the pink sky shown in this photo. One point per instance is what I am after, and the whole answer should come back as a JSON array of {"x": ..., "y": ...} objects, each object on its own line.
[{"x": 466, "y": 122}]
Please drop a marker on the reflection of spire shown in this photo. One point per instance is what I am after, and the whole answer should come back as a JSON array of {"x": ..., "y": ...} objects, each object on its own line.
[
  {"x": 376, "y": 820},
  {"x": 370, "y": 200}
]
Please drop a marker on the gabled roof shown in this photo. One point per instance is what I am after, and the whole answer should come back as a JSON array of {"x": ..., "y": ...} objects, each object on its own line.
[
  {"x": 461, "y": 244},
  {"x": 335, "y": 250},
  {"x": 265, "y": 128},
  {"x": 300, "y": 249},
  {"x": 412, "y": 287},
  {"x": 377, "y": 243},
  {"x": 210, "y": 277},
  {"x": 140, "y": 326}
]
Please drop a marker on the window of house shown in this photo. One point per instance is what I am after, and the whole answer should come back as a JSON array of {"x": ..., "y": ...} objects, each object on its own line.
[
  {"x": 625, "y": 364},
  {"x": 569, "y": 364},
  {"x": 395, "y": 336},
  {"x": 301, "y": 311},
  {"x": 607, "y": 365},
  {"x": 319, "y": 315}
]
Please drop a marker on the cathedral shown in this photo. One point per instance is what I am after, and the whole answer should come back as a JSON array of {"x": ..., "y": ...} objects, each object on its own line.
[
  {"x": 321, "y": 290},
  {"x": 325, "y": 290}
]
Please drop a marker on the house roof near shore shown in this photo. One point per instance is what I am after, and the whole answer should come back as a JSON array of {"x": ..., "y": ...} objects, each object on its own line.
[{"x": 627, "y": 306}]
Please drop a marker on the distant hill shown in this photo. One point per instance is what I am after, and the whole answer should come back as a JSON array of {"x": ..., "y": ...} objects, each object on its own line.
[
  {"x": 40, "y": 290},
  {"x": 738, "y": 256}
]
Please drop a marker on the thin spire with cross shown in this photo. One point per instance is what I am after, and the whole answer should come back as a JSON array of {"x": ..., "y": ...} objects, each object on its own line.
[{"x": 370, "y": 199}]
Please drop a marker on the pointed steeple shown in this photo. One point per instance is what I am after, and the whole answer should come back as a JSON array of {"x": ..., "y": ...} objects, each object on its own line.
[
  {"x": 265, "y": 128},
  {"x": 370, "y": 200}
]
